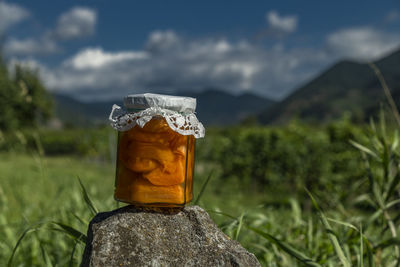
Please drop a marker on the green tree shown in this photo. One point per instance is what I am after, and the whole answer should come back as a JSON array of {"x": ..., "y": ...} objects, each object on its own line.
[
  {"x": 24, "y": 100},
  {"x": 34, "y": 104},
  {"x": 7, "y": 99}
]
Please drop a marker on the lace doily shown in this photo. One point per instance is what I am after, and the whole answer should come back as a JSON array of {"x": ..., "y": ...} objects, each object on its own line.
[{"x": 185, "y": 124}]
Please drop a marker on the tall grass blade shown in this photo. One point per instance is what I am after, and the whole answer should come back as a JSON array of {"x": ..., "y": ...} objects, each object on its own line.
[
  {"x": 386, "y": 90},
  {"x": 361, "y": 248},
  {"x": 344, "y": 224},
  {"x": 395, "y": 142},
  {"x": 286, "y": 247},
  {"x": 222, "y": 213},
  {"x": 373, "y": 186},
  {"x": 260, "y": 247},
  {"x": 363, "y": 239},
  {"x": 45, "y": 255},
  {"x": 366, "y": 199},
  {"x": 392, "y": 203},
  {"x": 332, "y": 236},
  {"x": 382, "y": 122},
  {"x": 373, "y": 126},
  {"x": 310, "y": 234},
  {"x": 203, "y": 188},
  {"x": 84, "y": 222},
  {"x": 393, "y": 185},
  {"x": 71, "y": 258},
  {"x": 32, "y": 228},
  {"x": 71, "y": 231},
  {"x": 364, "y": 149},
  {"x": 87, "y": 198},
  {"x": 296, "y": 211},
  {"x": 240, "y": 224},
  {"x": 370, "y": 255}
]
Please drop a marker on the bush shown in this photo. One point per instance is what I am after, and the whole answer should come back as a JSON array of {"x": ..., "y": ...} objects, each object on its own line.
[
  {"x": 286, "y": 158},
  {"x": 94, "y": 142}
]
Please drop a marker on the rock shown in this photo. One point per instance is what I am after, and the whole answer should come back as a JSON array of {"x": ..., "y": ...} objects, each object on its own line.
[{"x": 132, "y": 236}]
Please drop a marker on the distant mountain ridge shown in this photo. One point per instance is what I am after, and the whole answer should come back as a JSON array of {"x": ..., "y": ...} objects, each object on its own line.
[
  {"x": 214, "y": 107},
  {"x": 74, "y": 112},
  {"x": 345, "y": 87}
]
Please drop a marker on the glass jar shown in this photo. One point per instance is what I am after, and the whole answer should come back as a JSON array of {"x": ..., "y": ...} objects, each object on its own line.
[{"x": 155, "y": 162}]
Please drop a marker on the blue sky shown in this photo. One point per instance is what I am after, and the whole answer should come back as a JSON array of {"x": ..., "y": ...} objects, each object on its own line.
[{"x": 106, "y": 49}]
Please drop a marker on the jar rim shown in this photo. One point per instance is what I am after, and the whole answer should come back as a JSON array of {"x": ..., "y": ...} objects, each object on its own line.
[{"x": 181, "y": 104}]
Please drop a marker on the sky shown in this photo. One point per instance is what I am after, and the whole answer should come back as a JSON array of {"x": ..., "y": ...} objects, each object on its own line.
[{"x": 103, "y": 49}]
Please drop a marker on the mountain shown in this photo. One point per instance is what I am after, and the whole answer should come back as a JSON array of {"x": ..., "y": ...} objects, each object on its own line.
[
  {"x": 214, "y": 107},
  {"x": 74, "y": 112},
  {"x": 345, "y": 87}
]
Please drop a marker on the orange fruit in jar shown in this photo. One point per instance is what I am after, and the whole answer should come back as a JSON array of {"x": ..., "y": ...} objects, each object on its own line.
[
  {"x": 124, "y": 182},
  {"x": 143, "y": 157},
  {"x": 156, "y": 152},
  {"x": 157, "y": 125},
  {"x": 178, "y": 140},
  {"x": 145, "y": 192},
  {"x": 131, "y": 187},
  {"x": 141, "y": 165},
  {"x": 172, "y": 174},
  {"x": 140, "y": 135}
]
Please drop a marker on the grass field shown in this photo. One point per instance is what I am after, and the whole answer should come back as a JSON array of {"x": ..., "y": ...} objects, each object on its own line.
[
  {"x": 265, "y": 207},
  {"x": 37, "y": 189}
]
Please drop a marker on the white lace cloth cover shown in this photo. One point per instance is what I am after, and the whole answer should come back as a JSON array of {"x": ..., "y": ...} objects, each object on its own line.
[{"x": 185, "y": 124}]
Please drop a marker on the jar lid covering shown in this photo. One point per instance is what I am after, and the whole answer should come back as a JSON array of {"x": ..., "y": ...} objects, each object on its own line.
[
  {"x": 178, "y": 111},
  {"x": 176, "y": 103}
]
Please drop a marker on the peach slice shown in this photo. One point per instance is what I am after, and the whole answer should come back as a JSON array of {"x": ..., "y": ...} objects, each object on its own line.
[
  {"x": 144, "y": 157},
  {"x": 131, "y": 187},
  {"x": 144, "y": 192},
  {"x": 149, "y": 151},
  {"x": 172, "y": 176},
  {"x": 140, "y": 164},
  {"x": 156, "y": 138},
  {"x": 157, "y": 125}
]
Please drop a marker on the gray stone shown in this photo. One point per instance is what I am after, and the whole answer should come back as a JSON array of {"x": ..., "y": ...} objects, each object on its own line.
[{"x": 132, "y": 236}]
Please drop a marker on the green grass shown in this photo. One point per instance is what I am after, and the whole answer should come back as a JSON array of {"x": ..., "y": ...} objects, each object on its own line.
[
  {"x": 36, "y": 189},
  {"x": 37, "y": 186},
  {"x": 44, "y": 211}
]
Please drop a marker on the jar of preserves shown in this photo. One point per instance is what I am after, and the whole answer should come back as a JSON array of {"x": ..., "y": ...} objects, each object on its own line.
[{"x": 156, "y": 144}]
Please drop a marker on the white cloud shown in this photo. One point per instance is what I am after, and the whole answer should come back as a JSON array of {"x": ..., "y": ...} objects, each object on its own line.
[
  {"x": 11, "y": 14},
  {"x": 170, "y": 62},
  {"x": 362, "y": 43},
  {"x": 93, "y": 58},
  {"x": 159, "y": 41},
  {"x": 281, "y": 24},
  {"x": 76, "y": 23},
  {"x": 184, "y": 65},
  {"x": 30, "y": 46}
]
